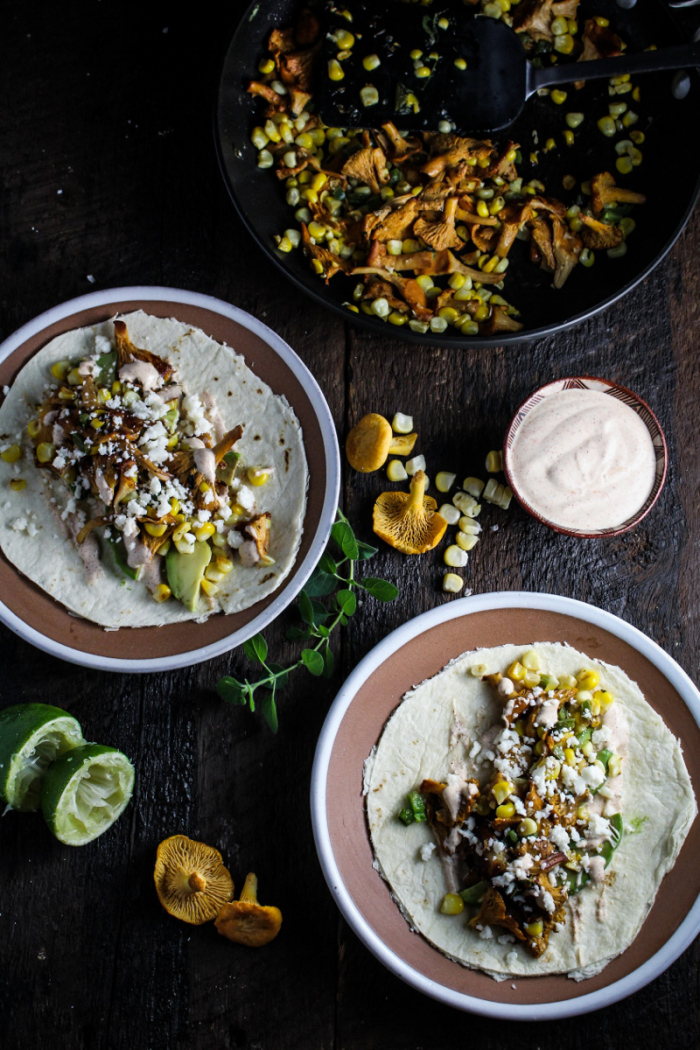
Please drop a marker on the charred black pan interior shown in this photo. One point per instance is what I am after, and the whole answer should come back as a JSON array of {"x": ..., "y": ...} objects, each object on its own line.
[{"x": 669, "y": 176}]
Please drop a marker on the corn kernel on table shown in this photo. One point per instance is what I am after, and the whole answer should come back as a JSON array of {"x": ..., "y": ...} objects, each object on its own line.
[{"x": 110, "y": 178}]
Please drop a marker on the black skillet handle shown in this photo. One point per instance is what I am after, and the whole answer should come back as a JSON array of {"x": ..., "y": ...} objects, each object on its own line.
[{"x": 680, "y": 57}]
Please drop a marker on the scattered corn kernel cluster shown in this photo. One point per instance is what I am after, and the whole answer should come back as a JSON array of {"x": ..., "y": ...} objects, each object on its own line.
[
  {"x": 368, "y": 447},
  {"x": 463, "y": 511}
]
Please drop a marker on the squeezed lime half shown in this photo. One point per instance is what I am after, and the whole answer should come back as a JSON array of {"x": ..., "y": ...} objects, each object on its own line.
[
  {"x": 32, "y": 736},
  {"x": 85, "y": 791}
]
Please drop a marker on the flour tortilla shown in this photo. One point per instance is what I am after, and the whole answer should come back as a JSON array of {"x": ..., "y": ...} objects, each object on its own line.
[
  {"x": 416, "y": 744},
  {"x": 271, "y": 437}
]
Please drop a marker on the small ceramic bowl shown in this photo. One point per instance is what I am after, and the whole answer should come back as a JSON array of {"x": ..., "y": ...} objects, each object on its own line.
[{"x": 603, "y": 386}]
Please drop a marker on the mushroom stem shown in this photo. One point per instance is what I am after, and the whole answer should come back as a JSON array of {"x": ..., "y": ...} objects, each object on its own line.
[
  {"x": 196, "y": 882},
  {"x": 250, "y": 889},
  {"x": 417, "y": 488}
]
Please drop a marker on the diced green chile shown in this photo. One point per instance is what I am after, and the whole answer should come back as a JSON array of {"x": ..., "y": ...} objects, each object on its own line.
[
  {"x": 417, "y": 804},
  {"x": 474, "y": 894}
]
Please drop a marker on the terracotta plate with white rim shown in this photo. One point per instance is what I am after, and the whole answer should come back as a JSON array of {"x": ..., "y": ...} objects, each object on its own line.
[
  {"x": 36, "y": 617},
  {"x": 419, "y": 650},
  {"x": 621, "y": 393}
]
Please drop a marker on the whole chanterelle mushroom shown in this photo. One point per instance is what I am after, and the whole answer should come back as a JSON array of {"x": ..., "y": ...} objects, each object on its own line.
[
  {"x": 408, "y": 520},
  {"x": 191, "y": 880},
  {"x": 370, "y": 442},
  {"x": 245, "y": 921}
]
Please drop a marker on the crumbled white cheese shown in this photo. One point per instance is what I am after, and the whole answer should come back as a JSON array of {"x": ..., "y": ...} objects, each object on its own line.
[{"x": 426, "y": 851}]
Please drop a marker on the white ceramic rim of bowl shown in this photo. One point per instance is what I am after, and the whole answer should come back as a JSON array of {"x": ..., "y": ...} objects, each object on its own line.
[
  {"x": 674, "y": 946},
  {"x": 288, "y": 591}
]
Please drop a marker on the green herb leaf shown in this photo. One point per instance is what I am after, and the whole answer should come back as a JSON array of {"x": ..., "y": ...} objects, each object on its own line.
[
  {"x": 320, "y": 584},
  {"x": 298, "y": 634},
  {"x": 306, "y": 609},
  {"x": 231, "y": 691},
  {"x": 382, "y": 590},
  {"x": 320, "y": 612},
  {"x": 256, "y": 648},
  {"x": 327, "y": 563},
  {"x": 347, "y": 602},
  {"x": 249, "y": 692},
  {"x": 313, "y": 661},
  {"x": 328, "y": 662},
  {"x": 343, "y": 535},
  {"x": 324, "y": 632},
  {"x": 269, "y": 710},
  {"x": 365, "y": 551}
]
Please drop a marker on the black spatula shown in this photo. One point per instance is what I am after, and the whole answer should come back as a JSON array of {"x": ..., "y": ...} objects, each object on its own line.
[{"x": 478, "y": 77}]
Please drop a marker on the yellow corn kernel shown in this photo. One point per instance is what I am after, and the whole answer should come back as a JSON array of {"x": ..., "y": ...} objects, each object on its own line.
[
  {"x": 534, "y": 929},
  {"x": 162, "y": 593},
  {"x": 45, "y": 452},
  {"x": 74, "y": 377},
  {"x": 588, "y": 679},
  {"x": 154, "y": 528},
  {"x": 335, "y": 70},
  {"x": 266, "y": 65},
  {"x": 17, "y": 484},
  {"x": 219, "y": 540},
  {"x": 602, "y": 22},
  {"x": 466, "y": 540},
  {"x": 97, "y": 424},
  {"x": 527, "y": 827},
  {"x": 531, "y": 660},
  {"x": 501, "y": 790},
  {"x": 444, "y": 481},
  {"x": 209, "y": 588},
  {"x": 452, "y": 583},
  {"x": 448, "y": 313},
  {"x": 369, "y": 96},
  {"x": 180, "y": 531},
  {"x": 452, "y": 904},
  {"x": 224, "y": 565},
  {"x": 564, "y": 44},
  {"x": 213, "y": 574},
  {"x": 371, "y": 62},
  {"x": 482, "y": 313},
  {"x": 570, "y": 756},
  {"x": 396, "y": 471},
  {"x": 531, "y": 679},
  {"x": 494, "y": 462},
  {"x": 205, "y": 530},
  {"x": 257, "y": 477},
  {"x": 319, "y": 181},
  {"x": 558, "y": 96},
  {"x": 34, "y": 428},
  {"x": 460, "y": 63},
  {"x": 309, "y": 195},
  {"x": 516, "y": 671},
  {"x": 614, "y": 766},
  {"x": 408, "y": 247},
  {"x": 343, "y": 39},
  {"x": 397, "y": 318},
  {"x": 60, "y": 370},
  {"x": 183, "y": 545},
  {"x": 624, "y": 165},
  {"x": 506, "y": 811},
  {"x": 482, "y": 209},
  {"x": 604, "y": 699}
]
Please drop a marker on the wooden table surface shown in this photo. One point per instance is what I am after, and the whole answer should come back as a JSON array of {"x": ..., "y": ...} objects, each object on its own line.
[{"x": 109, "y": 178}]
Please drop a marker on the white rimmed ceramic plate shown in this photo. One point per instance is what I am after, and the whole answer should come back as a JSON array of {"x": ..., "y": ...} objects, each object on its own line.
[
  {"x": 419, "y": 650},
  {"x": 37, "y": 618}
]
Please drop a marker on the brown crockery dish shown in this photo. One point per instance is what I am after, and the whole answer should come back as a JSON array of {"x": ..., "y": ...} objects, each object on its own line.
[
  {"x": 361, "y": 725},
  {"x": 46, "y": 616}
]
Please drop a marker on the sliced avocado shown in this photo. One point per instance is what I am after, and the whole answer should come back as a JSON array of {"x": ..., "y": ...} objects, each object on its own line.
[
  {"x": 186, "y": 571},
  {"x": 227, "y": 467},
  {"x": 116, "y": 545}
]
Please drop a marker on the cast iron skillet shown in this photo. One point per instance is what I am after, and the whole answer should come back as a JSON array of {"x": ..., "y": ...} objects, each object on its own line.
[{"x": 669, "y": 176}]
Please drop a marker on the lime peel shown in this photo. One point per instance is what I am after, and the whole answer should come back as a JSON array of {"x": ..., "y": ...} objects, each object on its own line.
[
  {"x": 85, "y": 792},
  {"x": 32, "y": 736}
]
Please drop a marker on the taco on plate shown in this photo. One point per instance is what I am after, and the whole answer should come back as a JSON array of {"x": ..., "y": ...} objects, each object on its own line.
[
  {"x": 524, "y": 805},
  {"x": 148, "y": 475}
]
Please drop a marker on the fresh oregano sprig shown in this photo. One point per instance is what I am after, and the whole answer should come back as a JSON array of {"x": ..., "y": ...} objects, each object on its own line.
[{"x": 333, "y": 579}]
